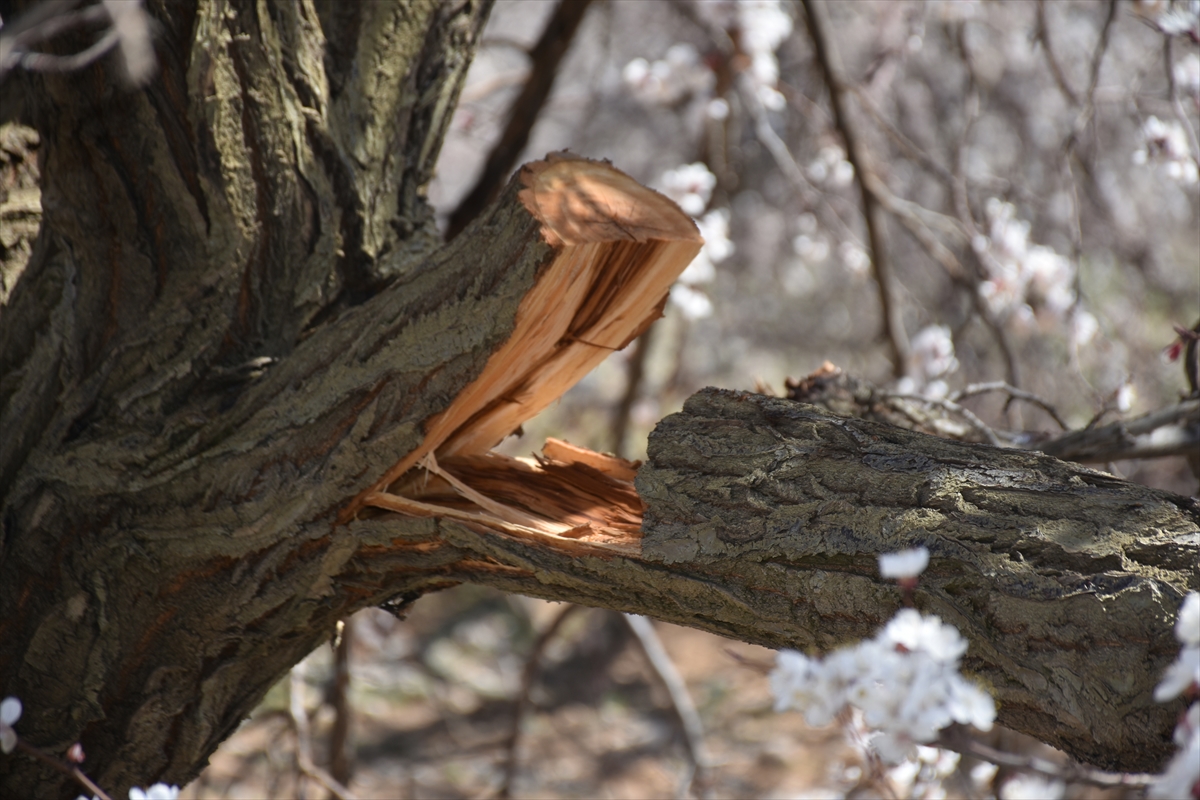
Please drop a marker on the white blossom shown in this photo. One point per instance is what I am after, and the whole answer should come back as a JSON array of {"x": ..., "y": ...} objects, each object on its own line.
[
  {"x": 1084, "y": 328},
  {"x": 831, "y": 167},
  {"x": 1184, "y": 672},
  {"x": 1183, "y": 772},
  {"x": 927, "y": 634},
  {"x": 692, "y": 302},
  {"x": 1187, "y": 624},
  {"x": 10, "y": 712},
  {"x": 905, "y": 681},
  {"x": 1125, "y": 396},
  {"x": 714, "y": 227},
  {"x": 686, "y": 294},
  {"x": 904, "y": 564},
  {"x": 1173, "y": 19},
  {"x": 717, "y": 108},
  {"x": 812, "y": 249},
  {"x": 1166, "y": 144},
  {"x": 1032, "y": 787},
  {"x": 1187, "y": 73},
  {"x": 159, "y": 791},
  {"x": 854, "y": 258},
  {"x": 931, "y": 356},
  {"x": 681, "y": 72},
  {"x": 690, "y": 186},
  {"x": 1021, "y": 276},
  {"x": 1182, "y": 778}
]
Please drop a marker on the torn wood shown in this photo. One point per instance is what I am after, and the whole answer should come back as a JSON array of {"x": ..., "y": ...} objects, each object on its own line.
[{"x": 617, "y": 248}]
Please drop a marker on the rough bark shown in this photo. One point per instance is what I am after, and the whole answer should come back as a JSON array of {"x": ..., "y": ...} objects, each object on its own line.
[
  {"x": 1065, "y": 580},
  {"x": 239, "y": 209},
  {"x": 236, "y": 323}
]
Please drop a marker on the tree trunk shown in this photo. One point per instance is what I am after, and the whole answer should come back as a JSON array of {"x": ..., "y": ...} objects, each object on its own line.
[
  {"x": 167, "y": 544},
  {"x": 237, "y": 333}
]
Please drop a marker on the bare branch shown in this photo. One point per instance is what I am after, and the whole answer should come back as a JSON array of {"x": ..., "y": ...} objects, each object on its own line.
[
  {"x": 1169, "y": 432},
  {"x": 856, "y": 153},
  {"x": 299, "y": 719},
  {"x": 545, "y": 58},
  {"x": 681, "y": 701},
  {"x": 528, "y": 675},
  {"x": 1017, "y": 394},
  {"x": 1043, "y": 35},
  {"x": 959, "y": 740}
]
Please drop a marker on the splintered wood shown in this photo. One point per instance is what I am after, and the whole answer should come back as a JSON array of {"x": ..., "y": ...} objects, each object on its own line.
[{"x": 618, "y": 247}]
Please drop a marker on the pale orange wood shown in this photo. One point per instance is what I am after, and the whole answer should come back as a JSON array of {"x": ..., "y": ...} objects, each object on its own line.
[
  {"x": 619, "y": 468},
  {"x": 563, "y": 499},
  {"x": 618, "y": 247},
  {"x": 581, "y": 201}
]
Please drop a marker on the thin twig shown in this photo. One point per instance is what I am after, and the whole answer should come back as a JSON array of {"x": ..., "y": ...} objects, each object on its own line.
[
  {"x": 895, "y": 134},
  {"x": 955, "y": 408},
  {"x": 681, "y": 702},
  {"x": 1017, "y": 394},
  {"x": 63, "y": 767},
  {"x": 340, "y": 764},
  {"x": 304, "y": 762},
  {"x": 963, "y": 210},
  {"x": 910, "y": 217},
  {"x": 1173, "y": 95},
  {"x": 1089, "y": 102},
  {"x": 1042, "y": 34},
  {"x": 49, "y": 19},
  {"x": 913, "y": 217},
  {"x": 522, "y": 702},
  {"x": 784, "y": 160},
  {"x": 1166, "y": 432},
  {"x": 545, "y": 58},
  {"x": 635, "y": 371},
  {"x": 761, "y": 667},
  {"x": 961, "y": 742},
  {"x": 826, "y": 52},
  {"x": 44, "y": 62}
]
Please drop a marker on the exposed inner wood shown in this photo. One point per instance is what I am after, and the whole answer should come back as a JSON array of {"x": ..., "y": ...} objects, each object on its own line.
[
  {"x": 616, "y": 249},
  {"x": 542, "y": 496}
]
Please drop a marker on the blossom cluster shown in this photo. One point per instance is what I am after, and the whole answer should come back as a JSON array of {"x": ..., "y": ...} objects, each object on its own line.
[
  {"x": 1021, "y": 275},
  {"x": 10, "y": 712},
  {"x": 1166, "y": 144},
  {"x": 905, "y": 681},
  {"x": 831, "y": 168},
  {"x": 931, "y": 358},
  {"x": 691, "y": 186},
  {"x": 680, "y": 73},
  {"x": 759, "y": 26},
  {"x": 1186, "y": 72},
  {"x": 813, "y": 247},
  {"x": 1026, "y": 281},
  {"x": 1173, "y": 18},
  {"x": 1182, "y": 778}
]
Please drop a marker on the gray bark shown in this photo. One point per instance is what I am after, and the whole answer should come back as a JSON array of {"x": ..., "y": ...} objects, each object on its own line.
[
  {"x": 166, "y": 544},
  {"x": 1065, "y": 580}
]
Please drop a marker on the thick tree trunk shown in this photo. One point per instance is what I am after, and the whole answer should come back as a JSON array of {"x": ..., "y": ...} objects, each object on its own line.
[
  {"x": 166, "y": 518},
  {"x": 237, "y": 329}
]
